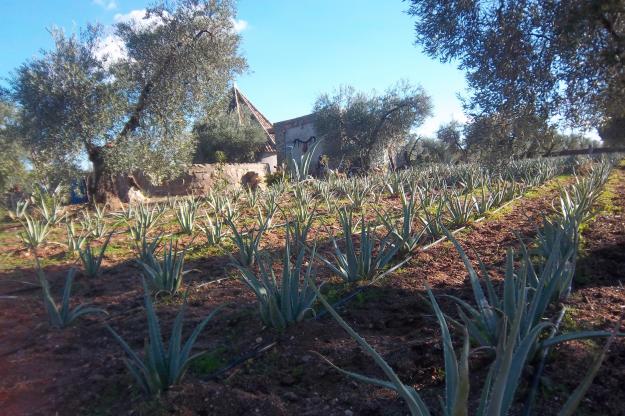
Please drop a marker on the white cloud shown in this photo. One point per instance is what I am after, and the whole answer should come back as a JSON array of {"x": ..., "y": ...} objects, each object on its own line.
[
  {"x": 110, "y": 49},
  {"x": 107, "y": 4},
  {"x": 239, "y": 25},
  {"x": 138, "y": 18}
]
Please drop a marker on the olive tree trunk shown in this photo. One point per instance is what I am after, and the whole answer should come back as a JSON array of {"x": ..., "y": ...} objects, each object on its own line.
[{"x": 104, "y": 187}]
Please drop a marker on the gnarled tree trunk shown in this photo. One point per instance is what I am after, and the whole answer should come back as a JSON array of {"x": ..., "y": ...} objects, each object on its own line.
[{"x": 104, "y": 187}]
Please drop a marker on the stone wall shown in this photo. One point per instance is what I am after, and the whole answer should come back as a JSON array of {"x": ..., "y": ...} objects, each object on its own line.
[{"x": 200, "y": 178}]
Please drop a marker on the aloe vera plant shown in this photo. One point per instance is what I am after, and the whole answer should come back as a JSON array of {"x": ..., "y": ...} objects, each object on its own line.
[
  {"x": 460, "y": 208},
  {"x": 484, "y": 201},
  {"x": 299, "y": 166},
  {"x": 266, "y": 215},
  {"x": 432, "y": 219},
  {"x": 166, "y": 275},
  {"x": 252, "y": 197},
  {"x": 269, "y": 205},
  {"x": 299, "y": 229},
  {"x": 405, "y": 235},
  {"x": 91, "y": 262},
  {"x": 423, "y": 191},
  {"x": 163, "y": 365},
  {"x": 500, "y": 386},
  {"x": 288, "y": 301},
  {"x": 213, "y": 228},
  {"x": 503, "y": 191},
  {"x": 553, "y": 231},
  {"x": 145, "y": 218},
  {"x": 95, "y": 226},
  {"x": 74, "y": 242},
  {"x": 394, "y": 183},
  {"x": 354, "y": 265},
  {"x": 186, "y": 213},
  {"x": 247, "y": 242},
  {"x": 357, "y": 190},
  {"x": 527, "y": 294},
  {"x": 49, "y": 204},
  {"x": 146, "y": 250},
  {"x": 125, "y": 215},
  {"x": 35, "y": 231},
  {"x": 218, "y": 202},
  {"x": 325, "y": 191},
  {"x": 456, "y": 371},
  {"x": 61, "y": 316},
  {"x": 19, "y": 211}
]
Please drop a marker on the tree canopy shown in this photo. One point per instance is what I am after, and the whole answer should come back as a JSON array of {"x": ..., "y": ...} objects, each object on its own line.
[
  {"x": 556, "y": 61},
  {"x": 236, "y": 139},
  {"x": 363, "y": 128},
  {"x": 133, "y": 109},
  {"x": 12, "y": 153}
]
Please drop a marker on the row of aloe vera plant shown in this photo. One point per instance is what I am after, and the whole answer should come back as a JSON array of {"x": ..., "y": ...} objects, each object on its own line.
[
  {"x": 351, "y": 265},
  {"x": 359, "y": 255},
  {"x": 402, "y": 237},
  {"x": 282, "y": 302},
  {"x": 515, "y": 326}
]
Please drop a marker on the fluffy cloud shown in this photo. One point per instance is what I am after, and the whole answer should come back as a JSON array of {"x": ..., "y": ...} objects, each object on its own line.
[
  {"x": 110, "y": 49},
  {"x": 107, "y": 4},
  {"x": 239, "y": 25},
  {"x": 138, "y": 19}
]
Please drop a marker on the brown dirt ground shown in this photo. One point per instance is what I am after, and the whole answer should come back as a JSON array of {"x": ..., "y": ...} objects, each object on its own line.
[{"x": 80, "y": 370}]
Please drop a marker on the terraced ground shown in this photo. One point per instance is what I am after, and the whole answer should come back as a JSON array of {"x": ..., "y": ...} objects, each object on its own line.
[{"x": 251, "y": 369}]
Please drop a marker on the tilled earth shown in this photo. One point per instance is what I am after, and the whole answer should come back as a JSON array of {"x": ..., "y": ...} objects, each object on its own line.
[{"x": 81, "y": 371}]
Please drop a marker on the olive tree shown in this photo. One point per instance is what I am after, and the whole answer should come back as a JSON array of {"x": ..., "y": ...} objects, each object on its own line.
[
  {"x": 560, "y": 61},
  {"x": 226, "y": 134},
  {"x": 12, "y": 154},
  {"x": 131, "y": 110},
  {"x": 364, "y": 128}
]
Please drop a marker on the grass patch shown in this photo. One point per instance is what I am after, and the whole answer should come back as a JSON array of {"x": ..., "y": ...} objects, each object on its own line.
[{"x": 210, "y": 362}]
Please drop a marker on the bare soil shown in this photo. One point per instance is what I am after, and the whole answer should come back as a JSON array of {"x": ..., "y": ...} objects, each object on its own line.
[{"x": 80, "y": 371}]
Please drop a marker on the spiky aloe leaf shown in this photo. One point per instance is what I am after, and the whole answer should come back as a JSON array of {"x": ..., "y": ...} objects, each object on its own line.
[
  {"x": 62, "y": 316},
  {"x": 161, "y": 368},
  {"x": 92, "y": 262},
  {"x": 407, "y": 393}
]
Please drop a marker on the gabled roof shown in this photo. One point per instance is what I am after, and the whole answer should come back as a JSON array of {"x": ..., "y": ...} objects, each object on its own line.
[{"x": 239, "y": 101}]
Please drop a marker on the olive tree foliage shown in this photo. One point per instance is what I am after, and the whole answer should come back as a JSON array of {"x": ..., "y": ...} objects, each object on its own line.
[
  {"x": 612, "y": 132},
  {"x": 227, "y": 134},
  {"x": 495, "y": 138},
  {"x": 12, "y": 154},
  {"x": 451, "y": 136},
  {"x": 425, "y": 150},
  {"x": 132, "y": 110},
  {"x": 366, "y": 128},
  {"x": 548, "y": 60}
]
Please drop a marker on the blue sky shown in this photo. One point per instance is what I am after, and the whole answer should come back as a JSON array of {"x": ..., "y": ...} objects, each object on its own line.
[{"x": 296, "y": 49}]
